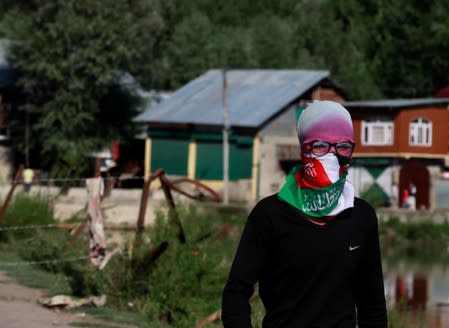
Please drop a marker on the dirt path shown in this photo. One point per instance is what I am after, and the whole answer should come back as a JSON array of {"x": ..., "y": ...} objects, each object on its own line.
[{"x": 19, "y": 309}]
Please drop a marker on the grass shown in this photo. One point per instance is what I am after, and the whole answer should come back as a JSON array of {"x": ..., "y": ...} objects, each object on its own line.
[
  {"x": 177, "y": 289},
  {"x": 58, "y": 284},
  {"x": 29, "y": 275},
  {"x": 182, "y": 285}
]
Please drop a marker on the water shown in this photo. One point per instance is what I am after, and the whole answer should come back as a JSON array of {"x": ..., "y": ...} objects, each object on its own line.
[{"x": 420, "y": 290}]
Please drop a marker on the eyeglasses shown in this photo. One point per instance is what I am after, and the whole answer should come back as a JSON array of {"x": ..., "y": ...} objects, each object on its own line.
[{"x": 321, "y": 148}]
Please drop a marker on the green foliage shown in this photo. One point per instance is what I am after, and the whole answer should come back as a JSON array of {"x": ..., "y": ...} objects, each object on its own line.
[
  {"x": 414, "y": 231},
  {"x": 178, "y": 288},
  {"x": 184, "y": 284},
  {"x": 398, "y": 318},
  {"x": 257, "y": 313},
  {"x": 417, "y": 243},
  {"x": 72, "y": 56},
  {"x": 25, "y": 211},
  {"x": 188, "y": 58},
  {"x": 402, "y": 52}
]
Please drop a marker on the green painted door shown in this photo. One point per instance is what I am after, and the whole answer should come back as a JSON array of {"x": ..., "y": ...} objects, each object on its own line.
[
  {"x": 209, "y": 165},
  {"x": 240, "y": 163},
  {"x": 209, "y": 161},
  {"x": 170, "y": 155}
]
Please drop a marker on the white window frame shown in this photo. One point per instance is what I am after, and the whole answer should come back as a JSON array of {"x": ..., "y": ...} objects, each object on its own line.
[
  {"x": 420, "y": 132},
  {"x": 382, "y": 137}
]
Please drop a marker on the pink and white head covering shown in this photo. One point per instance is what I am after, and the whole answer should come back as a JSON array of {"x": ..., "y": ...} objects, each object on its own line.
[
  {"x": 325, "y": 120},
  {"x": 331, "y": 122}
]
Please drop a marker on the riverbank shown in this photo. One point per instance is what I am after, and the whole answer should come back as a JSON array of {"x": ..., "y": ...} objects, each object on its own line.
[{"x": 406, "y": 215}]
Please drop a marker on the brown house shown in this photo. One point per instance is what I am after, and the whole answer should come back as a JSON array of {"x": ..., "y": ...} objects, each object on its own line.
[{"x": 402, "y": 147}]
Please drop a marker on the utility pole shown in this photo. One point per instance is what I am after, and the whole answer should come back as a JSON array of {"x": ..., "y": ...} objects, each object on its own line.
[
  {"x": 225, "y": 142},
  {"x": 27, "y": 139}
]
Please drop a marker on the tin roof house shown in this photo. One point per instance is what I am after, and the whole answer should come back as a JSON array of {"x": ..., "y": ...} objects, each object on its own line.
[{"x": 184, "y": 133}]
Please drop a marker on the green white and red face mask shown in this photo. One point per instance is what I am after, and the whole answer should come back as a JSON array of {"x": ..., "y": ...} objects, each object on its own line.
[{"x": 318, "y": 187}]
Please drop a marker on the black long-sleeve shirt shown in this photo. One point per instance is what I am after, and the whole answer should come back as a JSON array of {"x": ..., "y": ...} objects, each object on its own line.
[{"x": 309, "y": 275}]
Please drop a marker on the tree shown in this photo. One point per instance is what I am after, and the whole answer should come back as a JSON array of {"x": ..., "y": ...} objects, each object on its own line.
[
  {"x": 72, "y": 55},
  {"x": 408, "y": 46},
  {"x": 330, "y": 35}
]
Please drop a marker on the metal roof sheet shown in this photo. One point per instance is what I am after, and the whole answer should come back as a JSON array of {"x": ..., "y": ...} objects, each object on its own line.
[
  {"x": 396, "y": 103},
  {"x": 253, "y": 96}
]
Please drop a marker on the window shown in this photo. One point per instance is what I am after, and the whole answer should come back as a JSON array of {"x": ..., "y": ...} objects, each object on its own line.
[
  {"x": 421, "y": 132},
  {"x": 377, "y": 133}
]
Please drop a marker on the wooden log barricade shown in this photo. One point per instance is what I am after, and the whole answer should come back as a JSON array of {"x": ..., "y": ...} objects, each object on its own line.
[
  {"x": 14, "y": 184},
  {"x": 204, "y": 194}
]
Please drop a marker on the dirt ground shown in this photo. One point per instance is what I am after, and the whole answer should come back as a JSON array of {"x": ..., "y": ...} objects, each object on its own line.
[{"x": 19, "y": 308}]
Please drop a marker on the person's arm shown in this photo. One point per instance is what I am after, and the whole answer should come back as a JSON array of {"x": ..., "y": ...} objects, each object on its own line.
[
  {"x": 370, "y": 294},
  {"x": 245, "y": 272}
]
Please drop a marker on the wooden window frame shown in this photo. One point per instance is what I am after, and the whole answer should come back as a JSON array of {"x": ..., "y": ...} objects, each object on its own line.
[
  {"x": 420, "y": 132},
  {"x": 367, "y": 133}
]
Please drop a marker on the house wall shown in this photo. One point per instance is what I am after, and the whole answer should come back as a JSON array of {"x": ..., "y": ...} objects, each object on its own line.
[
  {"x": 358, "y": 117},
  {"x": 401, "y": 121},
  {"x": 280, "y": 131},
  {"x": 374, "y": 180},
  {"x": 5, "y": 165},
  {"x": 200, "y": 156},
  {"x": 327, "y": 94},
  {"x": 384, "y": 177},
  {"x": 440, "y": 128}
]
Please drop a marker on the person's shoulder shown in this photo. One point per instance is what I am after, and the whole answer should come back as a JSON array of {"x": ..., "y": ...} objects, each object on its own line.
[
  {"x": 266, "y": 205},
  {"x": 365, "y": 211},
  {"x": 267, "y": 202},
  {"x": 362, "y": 204}
]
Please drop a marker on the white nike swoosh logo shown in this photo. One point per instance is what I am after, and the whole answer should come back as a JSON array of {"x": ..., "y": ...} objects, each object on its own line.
[{"x": 353, "y": 248}]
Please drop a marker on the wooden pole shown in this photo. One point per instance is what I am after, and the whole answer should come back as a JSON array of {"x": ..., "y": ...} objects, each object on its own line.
[
  {"x": 27, "y": 140},
  {"x": 225, "y": 142},
  {"x": 97, "y": 166},
  {"x": 172, "y": 207},
  {"x": 11, "y": 192}
]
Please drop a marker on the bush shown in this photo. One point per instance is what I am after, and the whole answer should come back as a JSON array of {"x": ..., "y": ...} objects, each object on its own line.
[
  {"x": 25, "y": 211},
  {"x": 419, "y": 243},
  {"x": 185, "y": 283}
]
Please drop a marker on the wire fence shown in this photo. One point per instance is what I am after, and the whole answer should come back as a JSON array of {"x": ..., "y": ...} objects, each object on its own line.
[
  {"x": 40, "y": 226},
  {"x": 49, "y": 261},
  {"x": 72, "y": 226},
  {"x": 80, "y": 181},
  {"x": 166, "y": 185}
]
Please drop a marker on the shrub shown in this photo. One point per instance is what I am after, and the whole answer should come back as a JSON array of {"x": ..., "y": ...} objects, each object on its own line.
[
  {"x": 185, "y": 283},
  {"x": 26, "y": 211}
]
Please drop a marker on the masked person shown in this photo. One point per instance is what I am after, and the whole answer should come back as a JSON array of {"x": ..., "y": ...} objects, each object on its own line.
[{"x": 313, "y": 247}]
